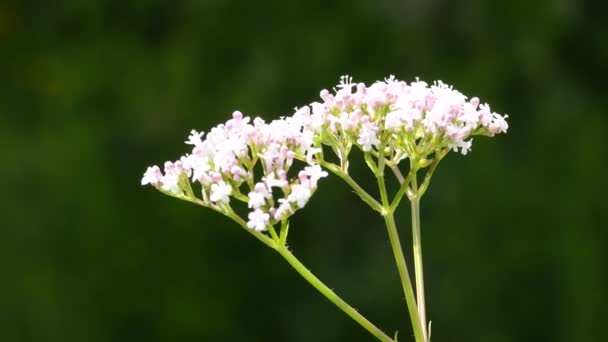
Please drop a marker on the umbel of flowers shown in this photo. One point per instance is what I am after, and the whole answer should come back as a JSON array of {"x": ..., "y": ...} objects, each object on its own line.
[
  {"x": 274, "y": 167},
  {"x": 224, "y": 163}
]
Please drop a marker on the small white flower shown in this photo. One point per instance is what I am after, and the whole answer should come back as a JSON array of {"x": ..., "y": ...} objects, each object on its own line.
[
  {"x": 300, "y": 194},
  {"x": 273, "y": 181},
  {"x": 258, "y": 196},
  {"x": 393, "y": 120},
  {"x": 270, "y": 155},
  {"x": 258, "y": 220},
  {"x": 195, "y": 138},
  {"x": 368, "y": 136},
  {"x": 153, "y": 176},
  {"x": 318, "y": 117},
  {"x": 314, "y": 172},
  {"x": 302, "y": 115},
  {"x": 464, "y": 146},
  {"x": 220, "y": 192},
  {"x": 170, "y": 181},
  {"x": 310, "y": 154},
  {"x": 345, "y": 82},
  {"x": 499, "y": 124},
  {"x": 200, "y": 167},
  {"x": 284, "y": 209}
]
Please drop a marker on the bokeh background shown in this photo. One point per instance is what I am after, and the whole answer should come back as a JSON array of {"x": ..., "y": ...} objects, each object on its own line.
[{"x": 92, "y": 92}]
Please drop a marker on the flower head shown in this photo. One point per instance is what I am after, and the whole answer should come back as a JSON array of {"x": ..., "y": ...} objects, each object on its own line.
[
  {"x": 220, "y": 192},
  {"x": 415, "y": 119},
  {"x": 224, "y": 162},
  {"x": 258, "y": 220},
  {"x": 388, "y": 119}
]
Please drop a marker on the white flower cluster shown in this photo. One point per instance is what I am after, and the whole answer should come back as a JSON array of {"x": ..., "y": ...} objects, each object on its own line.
[
  {"x": 412, "y": 120},
  {"x": 225, "y": 160},
  {"x": 389, "y": 119}
]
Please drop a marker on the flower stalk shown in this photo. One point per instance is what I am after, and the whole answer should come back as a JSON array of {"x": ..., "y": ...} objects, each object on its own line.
[
  {"x": 417, "y": 245},
  {"x": 406, "y": 283},
  {"x": 332, "y": 296}
]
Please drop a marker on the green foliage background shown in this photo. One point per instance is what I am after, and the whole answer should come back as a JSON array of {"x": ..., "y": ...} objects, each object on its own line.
[{"x": 92, "y": 92}]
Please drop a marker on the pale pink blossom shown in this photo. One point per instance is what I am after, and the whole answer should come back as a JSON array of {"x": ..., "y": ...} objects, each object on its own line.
[
  {"x": 220, "y": 192},
  {"x": 258, "y": 220},
  {"x": 152, "y": 176},
  {"x": 300, "y": 194},
  {"x": 411, "y": 120},
  {"x": 195, "y": 138},
  {"x": 259, "y": 196},
  {"x": 437, "y": 116},
  {"x": 368, "y": 135}
]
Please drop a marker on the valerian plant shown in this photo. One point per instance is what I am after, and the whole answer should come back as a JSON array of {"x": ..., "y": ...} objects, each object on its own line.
[{"x": 274, "y": 168}]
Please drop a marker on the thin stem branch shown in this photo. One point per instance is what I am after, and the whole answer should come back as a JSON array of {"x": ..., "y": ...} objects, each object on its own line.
[
  {"x": 365, "y": 196},
  {"x": 398, "y": 174},
  {"x": 402, "y": 190},
  {"x": 417, "y": 242},
  {"x": 258, "y": 235},
  {"x": 429, "y": 173},
  {"x": 277, "y": 243},
  {"x": 404, "y": 276},
  {"x": 273, "y": 234},
  {"x": 284, "y": 232},
  {"x": 299, "y": 267},
  {"x": 331, "y": 295}
]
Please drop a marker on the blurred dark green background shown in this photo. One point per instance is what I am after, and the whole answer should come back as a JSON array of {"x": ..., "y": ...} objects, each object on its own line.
[{"x": 92, "y": 92}]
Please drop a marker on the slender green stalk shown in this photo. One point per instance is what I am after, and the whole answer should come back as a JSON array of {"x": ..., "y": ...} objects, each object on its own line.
[
  {"x": 258, "y": 235},
  {"x": 402, "y": 190},
  {"x": 417, "y": 242},
  {"x": 429, "y": 173},
  {"x": 404, "y": 276},
  {"x": 398, "y": 174},
  {"x": 331, "y": 295},
  {"x": 284, "y": 232},
  {"x": 365, "y": 196},
  {"x": 278, "y": 244},
  {"x": 406, "y": 283}
]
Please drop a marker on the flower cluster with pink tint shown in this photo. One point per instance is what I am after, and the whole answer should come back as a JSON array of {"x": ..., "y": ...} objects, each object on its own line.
[
  {"x": 389, "y": 119},
  {"x": 224, "y": 162},
  {"x": 406, "y": 120}
]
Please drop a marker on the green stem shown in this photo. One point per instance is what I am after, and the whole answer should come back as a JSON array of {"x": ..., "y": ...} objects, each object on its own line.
[
  {"x": 284, "y": 232},
  {"x": 365, "y": 196},
  {"x": 331, "y": 295},
  {"x": 417, "y": 242},
  {"x": 402, "y": 190},
  {"x": 404, "y": 276},
  {"x": 398, "y": 174},
  {"x": 429, "y": 173},
  {"x": 258, "y": 235},
  {"x": 278, "y": 244}
]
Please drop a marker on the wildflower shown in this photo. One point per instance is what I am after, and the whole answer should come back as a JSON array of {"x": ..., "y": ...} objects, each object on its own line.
[
  {"x": 195, "y": 138},
  {"x": 152, "y": 176},
  {"x": 259, "y": 195},
  {"x": 315, "y": 172},
  {"x": 300, "y": 193},
  {"x": 220, "y": 192},
  {"x": 224, "y": 161},
  {"x": 368, "y": 135},
  {"x": 412, "y": 120},
  {"x": 415, "y": 119},
  {"x": 258, "y": 220},
  {"x": 170, "y": 181}
]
